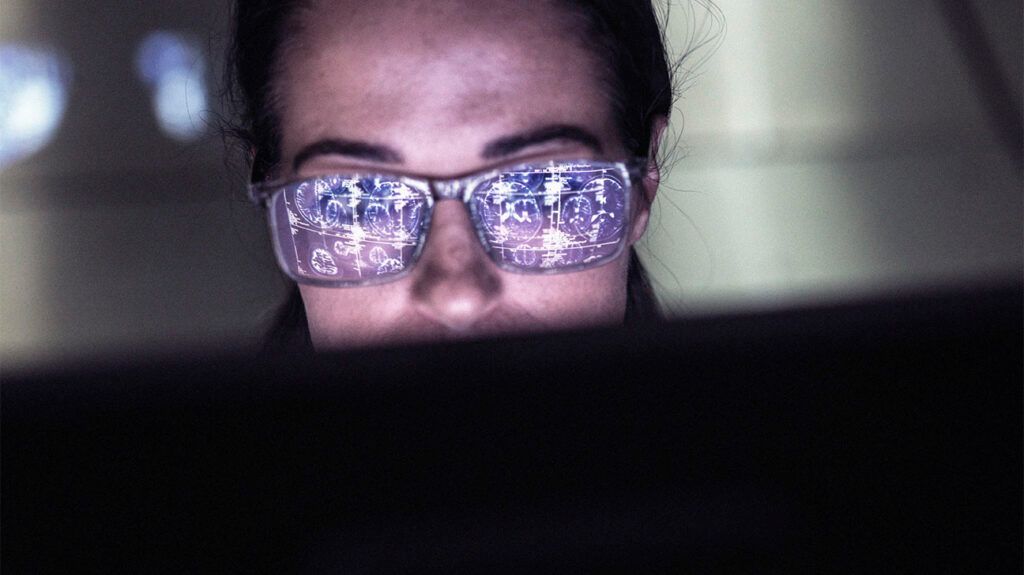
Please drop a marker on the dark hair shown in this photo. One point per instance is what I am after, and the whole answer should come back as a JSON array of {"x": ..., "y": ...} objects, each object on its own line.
[{"x": 624, "y": 34}]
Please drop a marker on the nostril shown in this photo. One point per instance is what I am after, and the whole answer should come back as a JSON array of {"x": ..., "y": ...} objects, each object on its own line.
[{"x": 456, "y": 297}]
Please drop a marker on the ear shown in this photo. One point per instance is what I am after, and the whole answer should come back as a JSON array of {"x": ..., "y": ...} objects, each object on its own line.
[{"x": 651, "y": 180}]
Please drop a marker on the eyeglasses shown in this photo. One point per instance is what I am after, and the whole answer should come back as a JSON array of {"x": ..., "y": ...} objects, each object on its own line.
[{"x": 354, "y": 229}]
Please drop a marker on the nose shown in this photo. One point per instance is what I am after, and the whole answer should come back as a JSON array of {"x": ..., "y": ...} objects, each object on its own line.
[{"x": 455, "y": 283}]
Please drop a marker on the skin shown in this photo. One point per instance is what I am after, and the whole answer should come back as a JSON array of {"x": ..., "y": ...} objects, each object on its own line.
[{"x": 436, "y": 82}]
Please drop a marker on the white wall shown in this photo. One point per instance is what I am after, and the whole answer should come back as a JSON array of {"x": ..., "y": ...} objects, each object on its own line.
[{"x": 834, "y": 150}]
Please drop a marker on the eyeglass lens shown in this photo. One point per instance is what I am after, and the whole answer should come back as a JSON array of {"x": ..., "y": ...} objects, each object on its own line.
[{"x": 531, "y": 219}]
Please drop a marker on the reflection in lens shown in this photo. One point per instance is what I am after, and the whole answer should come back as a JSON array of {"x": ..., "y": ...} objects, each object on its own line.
[
  {"x": 307, "y": 202},
  {"x": 323, "y": 262},
  {"x": 537, "y": 218},
  {"x": 532, "y": 218},
  {"x": 576, "y": 214},
  {"x": 611, "y": 199},
  {"x": 525, "y": 256},
  {"x": 334, "y": 212},
  {"x": 393, "y": 211},
  {"x": 523, "y": 218},
  {"x": 339, "y": 231},
  {"x": 491, "y": 205},
  {"x": 510, "y": 211}
]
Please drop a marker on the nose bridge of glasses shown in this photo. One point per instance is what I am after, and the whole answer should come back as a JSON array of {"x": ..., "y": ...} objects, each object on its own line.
[{"x": 448, "y": 189}]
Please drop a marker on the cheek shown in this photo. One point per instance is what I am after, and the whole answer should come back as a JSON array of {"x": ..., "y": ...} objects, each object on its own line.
[
  {"x": 591, "y": 297},
  {"x": 341, "y": 317}
]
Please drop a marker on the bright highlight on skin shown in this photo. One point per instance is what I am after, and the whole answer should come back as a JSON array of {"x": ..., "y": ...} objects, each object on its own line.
[
  {"x": 34, "y": 86},
  {"x": 175, "y": 70}
]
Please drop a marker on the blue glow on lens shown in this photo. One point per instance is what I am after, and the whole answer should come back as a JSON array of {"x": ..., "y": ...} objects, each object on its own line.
[
  {"x": 34, "y": 86},
  {"x": 175, "y": 69}
]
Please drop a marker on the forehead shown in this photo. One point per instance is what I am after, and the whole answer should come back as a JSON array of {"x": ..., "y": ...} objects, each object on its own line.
[{"x": 455, "y": 73}]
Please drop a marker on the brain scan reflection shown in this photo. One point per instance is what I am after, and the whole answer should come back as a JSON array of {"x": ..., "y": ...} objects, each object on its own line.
[
  {"x": 555, "y": 216},
  {"x": 530, "y": 218}
]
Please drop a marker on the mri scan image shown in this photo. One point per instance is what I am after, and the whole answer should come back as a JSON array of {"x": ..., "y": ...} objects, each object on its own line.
[
  {"x": 530, "y": 219},
  {"x": 553, "y": 216},
  {"x": 351, "y": 229}
]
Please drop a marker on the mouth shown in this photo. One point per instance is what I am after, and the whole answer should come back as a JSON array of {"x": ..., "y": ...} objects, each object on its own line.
[{"x": 500, "y": 323}]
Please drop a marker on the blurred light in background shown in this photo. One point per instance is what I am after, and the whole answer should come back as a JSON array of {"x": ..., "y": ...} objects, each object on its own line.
[
  {"x": 34, "y": 86},
  {"x": 174, "y": 68}
]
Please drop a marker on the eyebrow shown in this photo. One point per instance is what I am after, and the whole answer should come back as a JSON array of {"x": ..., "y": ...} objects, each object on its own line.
[
  {"x": 499, "y": 148},
  {"x": 509, "y": 145},
  {"x": 350, "y": 148}
]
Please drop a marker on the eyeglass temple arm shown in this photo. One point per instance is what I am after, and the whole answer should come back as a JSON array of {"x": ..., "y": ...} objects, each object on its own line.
[
  {"x": 637, "y": 168},
  {"x": 259, "y": 192}
]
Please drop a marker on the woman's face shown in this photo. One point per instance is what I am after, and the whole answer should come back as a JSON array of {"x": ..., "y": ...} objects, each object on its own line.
[{"x": 433, "y": 84}]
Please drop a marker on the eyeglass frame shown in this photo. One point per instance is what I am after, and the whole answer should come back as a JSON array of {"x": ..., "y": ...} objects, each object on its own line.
[{"x": 460, "y": 187}]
